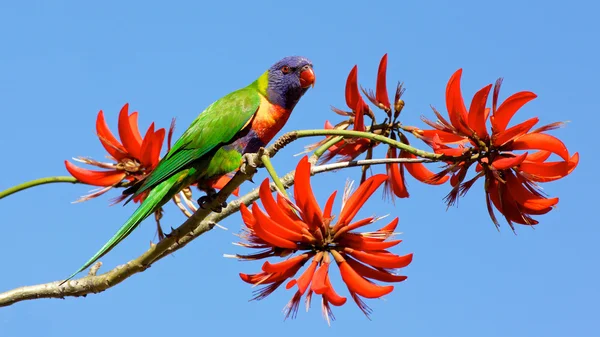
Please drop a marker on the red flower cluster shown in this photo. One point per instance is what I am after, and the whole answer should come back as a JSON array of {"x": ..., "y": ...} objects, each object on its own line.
[
  {"x": 510, "y": 177},
  {"x": 134, "y": 157},
  {"x": 395, "y": 183},
  {"x": 305, "y": 229},
  {"x": 348, "y": 149}
]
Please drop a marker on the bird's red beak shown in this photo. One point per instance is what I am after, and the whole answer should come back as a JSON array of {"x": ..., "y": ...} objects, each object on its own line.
[{"x": 307, "y": 77}]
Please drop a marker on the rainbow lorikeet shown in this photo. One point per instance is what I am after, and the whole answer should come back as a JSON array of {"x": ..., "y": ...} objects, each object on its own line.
[{"x": 238, "y": 123}]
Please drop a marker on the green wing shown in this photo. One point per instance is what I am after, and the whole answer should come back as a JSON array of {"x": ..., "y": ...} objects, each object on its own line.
[{"x": 218, "y": 124}]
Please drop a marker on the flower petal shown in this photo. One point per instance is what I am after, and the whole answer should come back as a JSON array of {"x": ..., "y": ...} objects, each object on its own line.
[
  {"x": 504, "y": 163},
  {"x": 508, "y": 108},
  {"x": 541, "y": 141},
  {"x": 331, "y": 296},
  {"x": 145, "y": 150},
  {"x": 395, "y": 176},
  {"x": 157, "y": 141},
  {"x": 420, "y": 172},
  {"x": 477, "y": 112},
  {"x": 329, "y": 207},
  {"x": 455, "y": 104},
  {"x": 381, "y": 93},
  {"x": 275, "y": 211},
  {"x": 263, "y": 229},
  {"x": 380, "y": 260},
  {"x": 353, "y": 97},
  {"x": 524, "y": 197},
  {"x": 95, "y": 178},
  {"x": 359, "y": 197},
  {"x": 129, "y": 132},
  {"x": 358, "y": 284},
  {"x": 273, "y": 228},
  {"x": 285, "y": 265},
  {"x": 303, "y": 194},
  {"x": 108, "y": 140},
  {"x": 545, "y": 172},
  {"x": 374, "y": 274},
  {"x": 514, "y": 132}
]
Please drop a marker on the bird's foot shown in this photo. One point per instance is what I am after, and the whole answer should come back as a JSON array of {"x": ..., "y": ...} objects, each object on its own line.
[
  {"x": 249, "y": 161},
  {"x": 207, "y": 199}
]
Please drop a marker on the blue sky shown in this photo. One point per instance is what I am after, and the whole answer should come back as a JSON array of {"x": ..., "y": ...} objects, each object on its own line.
[{"x": 62, "y": 61}]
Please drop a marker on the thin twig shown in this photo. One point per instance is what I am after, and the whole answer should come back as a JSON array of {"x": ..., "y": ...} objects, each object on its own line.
[
  {"x": 37, "y": 182},
  {"x": 366, "y": 162}
]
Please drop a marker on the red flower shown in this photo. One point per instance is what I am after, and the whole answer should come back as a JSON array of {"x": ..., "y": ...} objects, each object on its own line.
[
  {"x": 395, "y": 183},
  {"x": 510, "y": 177},
  {"x": 348, "y": 149},
  {"x": 134, "y": 157},
  {"x": 306, "y": 233}
]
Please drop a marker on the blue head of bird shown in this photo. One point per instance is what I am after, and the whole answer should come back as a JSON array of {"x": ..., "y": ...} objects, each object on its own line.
[{"x": 289, "y": 79}]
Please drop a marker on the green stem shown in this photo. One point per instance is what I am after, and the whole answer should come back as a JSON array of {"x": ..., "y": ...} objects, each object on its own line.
[
  {"x": 36, "y": 182},
  {"x": 331, "y": 142},
  {"x": 266, "y": 160},
  {"x": 373, "y": 137}
]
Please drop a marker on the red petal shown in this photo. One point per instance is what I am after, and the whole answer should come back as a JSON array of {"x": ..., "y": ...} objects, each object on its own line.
[
  {"x": 274, "y": 210},
  {"x": 508, "y": 108},
  {"x": 504, "y": 163},
  {"x": 108, "y": 140},
  {"x": 329, "y": 206},
  {"x": 352, "y": 93},
  {"x": 514, "y": 132},
  {"x": 359, "y": 197},
  {"x": 544, "y": 172},
  {"x": 157, "y": 140},
  {"x": 247, "y": 216},
  {"x": 146, "y": 154},
  {"x": 541, "y": 141},
  {"x": 304, "y": 280},
  {"x": 539, "y": 156},
  {"x": 455, "y": 104},
  {"x": 381, "y": 93},
  {"x": 375, "y": 274},
  {"x": 420, "y": 172},
  {"x": 319, "y": 286},
  {"x": 265, "y": 233},
  {"x": 395, "y": 176},
  {"x": 303, "y": 194},
  {"x": 129, "y": 132},
  {"x": 273, "y": 228},
  {"x": 384, "y": 260},
  {"x": 359, "y": 242},
  {"x": 359, "y": 117},
  {"x": 96, "y": 178},
  {"x": 331, "y": 296},
  {"x": 477, "y": 113},
  {"x": 286, "y": 206},
  {"x": 281, "y": 267},
  {"x": 445, "y": 137},
  {"x": 524, "y": 197},
  {"x": 360, "y": 285}
]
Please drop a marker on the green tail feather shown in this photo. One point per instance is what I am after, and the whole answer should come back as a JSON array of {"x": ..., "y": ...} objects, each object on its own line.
[{"x": 155, "y": 199}]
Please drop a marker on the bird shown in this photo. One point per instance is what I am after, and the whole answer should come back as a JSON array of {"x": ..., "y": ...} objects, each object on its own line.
[{"x": 214, "y": 144}]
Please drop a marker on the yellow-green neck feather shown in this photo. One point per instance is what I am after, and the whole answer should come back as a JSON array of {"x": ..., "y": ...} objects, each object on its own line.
[{"x": 262, "y": 83}]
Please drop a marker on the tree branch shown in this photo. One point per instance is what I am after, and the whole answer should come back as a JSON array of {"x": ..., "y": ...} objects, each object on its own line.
[
  {"x": 37, "y": 182},
  {"x": 199, "y": 223}
]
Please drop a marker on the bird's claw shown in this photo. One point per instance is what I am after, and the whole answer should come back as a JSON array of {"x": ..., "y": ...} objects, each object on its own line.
[
  {"x": 248, "y": 160},
  {"x": 207, "y": 199}
]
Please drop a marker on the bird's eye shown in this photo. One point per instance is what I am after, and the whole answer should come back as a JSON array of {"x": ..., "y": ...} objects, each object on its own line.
[{"x": 285, "y": 69}]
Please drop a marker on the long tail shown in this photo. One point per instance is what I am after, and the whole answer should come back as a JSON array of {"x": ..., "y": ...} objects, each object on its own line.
[{"x": 154, "y": 200}]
